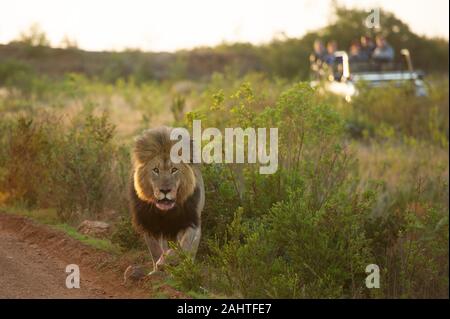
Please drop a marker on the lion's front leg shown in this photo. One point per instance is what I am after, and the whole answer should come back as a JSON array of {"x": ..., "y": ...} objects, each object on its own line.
[
  {"x": 167, "y": 255},
  {"x": 155, "y": 249},
  {"x": 190, "y": 239}
]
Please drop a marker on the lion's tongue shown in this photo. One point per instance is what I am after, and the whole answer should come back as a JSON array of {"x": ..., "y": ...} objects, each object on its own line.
[{"x": 165, "y": 205}]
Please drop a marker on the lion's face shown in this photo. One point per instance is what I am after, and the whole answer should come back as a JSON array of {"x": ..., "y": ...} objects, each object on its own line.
[
  {"x": 157, "y": 179},
  {"x": 165, "y": 180}
]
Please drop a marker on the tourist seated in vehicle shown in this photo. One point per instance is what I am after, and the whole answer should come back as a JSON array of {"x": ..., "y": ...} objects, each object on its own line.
[
  {"x": 366, "y": 48},
  {"x": 331, "y": 50},
  {"x": 383, "y": 53},
  {"x": 317, "y": 59}
]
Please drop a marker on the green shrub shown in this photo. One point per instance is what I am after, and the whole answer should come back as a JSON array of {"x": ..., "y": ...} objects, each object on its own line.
[
  {"x": 84, "y": 177},
  {"x": 28, "y": 153},
  {"x": 310, "y": 230},
  {"x": 79, "y": 170},
  {"x": 287, "y": 223},
  {"x": 391, "y": 111},
  {"x": 186, "y": 274},
  {"x": 17, "y": 74},
  {"x": 409, "y": 233},
  {"x": 296, "y": 252},
  {"x": 125, "y": 236}
]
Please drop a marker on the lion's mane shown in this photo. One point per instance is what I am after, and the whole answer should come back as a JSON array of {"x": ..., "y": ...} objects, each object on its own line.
[{"x": 145, "y": 215}]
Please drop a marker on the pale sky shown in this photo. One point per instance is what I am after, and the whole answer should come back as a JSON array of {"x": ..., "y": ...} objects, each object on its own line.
[{"x": 168, "y": 25}]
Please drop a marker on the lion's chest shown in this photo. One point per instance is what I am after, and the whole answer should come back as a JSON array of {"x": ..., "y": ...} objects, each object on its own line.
[{"x": 148, "y": 218}]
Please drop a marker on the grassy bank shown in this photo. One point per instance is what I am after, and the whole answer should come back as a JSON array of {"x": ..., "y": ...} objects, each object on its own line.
[{"x": 50, "y": 218}]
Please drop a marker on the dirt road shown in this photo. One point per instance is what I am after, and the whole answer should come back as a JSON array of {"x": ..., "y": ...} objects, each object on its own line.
[
  {"x": 28, "y": 272},
  {"x": 33, "y": 259}
]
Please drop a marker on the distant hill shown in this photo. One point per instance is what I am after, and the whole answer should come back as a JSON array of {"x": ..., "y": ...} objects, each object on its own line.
[{"x": 286, "y": 58}]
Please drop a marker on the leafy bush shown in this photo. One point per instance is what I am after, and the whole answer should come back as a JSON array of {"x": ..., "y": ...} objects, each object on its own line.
[
  {"x": 26, "y": 156},
  {"x": 409, "y": 232},
  {"x": 287, "y": 223},
  {"x": 186, "y": 273},
  {"x": 392, "y": 111},
  {"x": 125, "y": 235},
  {"x": 79, "y": 170},
  {"x": 17, "y": 74},
  {"x": 310, "y": 230},
  {"x": 83, "y": 175}
]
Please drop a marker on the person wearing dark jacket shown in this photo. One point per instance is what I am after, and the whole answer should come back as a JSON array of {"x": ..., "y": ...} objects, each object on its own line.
[
  {"x": 383, "y": 52},
  {"x": 317, "y": 58},
  {"x": 367, "y": 48},
  {"x": 331, "y": 50}
]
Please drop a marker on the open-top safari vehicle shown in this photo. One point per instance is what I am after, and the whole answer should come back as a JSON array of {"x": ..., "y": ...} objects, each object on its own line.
[{"x": 343, "y": 76}]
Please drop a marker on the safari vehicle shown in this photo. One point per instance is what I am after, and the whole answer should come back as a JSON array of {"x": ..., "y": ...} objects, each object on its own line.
[{"x": 342, "y": 78}]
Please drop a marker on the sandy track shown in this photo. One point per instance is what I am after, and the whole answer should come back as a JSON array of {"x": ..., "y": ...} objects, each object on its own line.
[{"x": 33, "y": 258}]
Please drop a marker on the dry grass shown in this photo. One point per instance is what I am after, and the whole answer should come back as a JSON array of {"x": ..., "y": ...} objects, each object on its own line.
[{"x": 395, "y": 163}]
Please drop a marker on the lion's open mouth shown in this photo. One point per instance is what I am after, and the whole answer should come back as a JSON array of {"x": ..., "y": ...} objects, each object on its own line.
[{"x": 165, "y": 204}]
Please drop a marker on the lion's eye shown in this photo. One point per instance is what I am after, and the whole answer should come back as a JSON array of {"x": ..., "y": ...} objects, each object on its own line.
[
  {"x": 156, "y": 170},
  {"x": 174, "y": 170}
]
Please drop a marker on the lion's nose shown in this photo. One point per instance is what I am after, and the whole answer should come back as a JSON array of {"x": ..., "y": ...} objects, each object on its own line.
[{"x": 165, "y": 191}]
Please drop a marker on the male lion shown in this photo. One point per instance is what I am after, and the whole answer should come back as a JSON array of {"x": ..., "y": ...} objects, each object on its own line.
[{"x": 166, "y": 199}]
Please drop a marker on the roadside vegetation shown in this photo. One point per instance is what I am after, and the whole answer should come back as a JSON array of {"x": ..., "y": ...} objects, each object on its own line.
[{"x": 358, "y": 183}]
